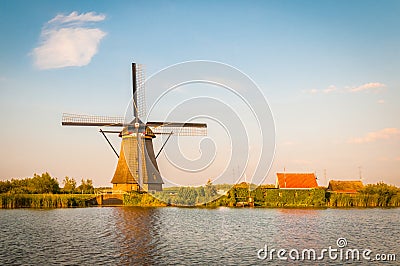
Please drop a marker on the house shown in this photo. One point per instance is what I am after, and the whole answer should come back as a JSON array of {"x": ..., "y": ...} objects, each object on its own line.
[
  {"x": 347, "y": 187},
  {"x": 296, "y": 181}
]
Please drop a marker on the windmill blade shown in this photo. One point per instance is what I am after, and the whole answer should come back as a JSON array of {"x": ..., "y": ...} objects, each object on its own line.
[
  {"x": 141, "y": 91},
  {"x": 180, "y": 129},
  {"x": 92, "y": 120},
  {"x": 134, "y": 90},
  {"x": 139, "y": 99}
]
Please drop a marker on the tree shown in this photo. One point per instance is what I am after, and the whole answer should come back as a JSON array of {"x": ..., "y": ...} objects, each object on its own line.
[
  {"x": 44, "y": 184},
  {"x": 201, "y": 194},
  {"x": 69, "y": 185},
  {"x": 21, "y": 186},
  {"x": 186, "y": 196},
  {"x": 86, "y": 187},
  {"x": 5, "y": 186},
  {"x": 384, "y": 192},
  {"x": 210, "y": 191}
]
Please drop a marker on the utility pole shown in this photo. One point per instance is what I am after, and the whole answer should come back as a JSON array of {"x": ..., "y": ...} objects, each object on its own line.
[{"x": 284, "y": 175}]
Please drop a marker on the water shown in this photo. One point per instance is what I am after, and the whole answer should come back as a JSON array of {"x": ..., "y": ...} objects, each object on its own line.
[{"x": 185, "y": 236}]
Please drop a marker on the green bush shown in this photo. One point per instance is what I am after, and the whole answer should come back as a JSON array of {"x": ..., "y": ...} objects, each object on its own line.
[
  {"x": 142, "y": 199},
  {"x": 372, "y": 195}
]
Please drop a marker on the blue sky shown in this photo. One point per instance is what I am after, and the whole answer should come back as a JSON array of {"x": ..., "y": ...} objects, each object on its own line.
[{"x": 329, "y": 69}]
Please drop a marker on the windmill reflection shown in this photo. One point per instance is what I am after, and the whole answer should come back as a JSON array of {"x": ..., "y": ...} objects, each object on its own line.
[{"x": 137, "y": 230}]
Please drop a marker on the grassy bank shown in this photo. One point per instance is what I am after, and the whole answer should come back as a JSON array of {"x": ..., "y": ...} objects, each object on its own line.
[
  {"x": 376, "y": 195},
  {"x": 142, "y": 200},
  {"x": 373, "y": 195},
  {"x": 238, "y": 195},
  {"x": 363, "y": 200},
  {"x": 267, "y": 197},
  {"x": 44, "y": 200}
]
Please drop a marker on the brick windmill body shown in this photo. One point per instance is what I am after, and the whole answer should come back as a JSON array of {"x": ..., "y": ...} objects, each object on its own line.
[{"x": 137, "y": 168}]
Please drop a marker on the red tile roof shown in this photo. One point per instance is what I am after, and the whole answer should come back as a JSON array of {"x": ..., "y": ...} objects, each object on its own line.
[{"x": 296, "y": 180}]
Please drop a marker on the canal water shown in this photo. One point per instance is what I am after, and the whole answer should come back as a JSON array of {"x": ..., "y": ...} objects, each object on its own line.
[{"x": 186, "y": 236}]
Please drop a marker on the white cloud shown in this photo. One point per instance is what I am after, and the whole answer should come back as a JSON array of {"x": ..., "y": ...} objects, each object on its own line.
[
  {"x": 383, "y": 134},
  {"x": 375, "y": 86},
  {"x": 68, "y": 41},
  {"x": 381, "y": 101},
  {"x": 372, "y": 86},
  {"x": 311, "y": 91},
  {"x": 330, "y": 89},
  {"x": 76, "y": 18}
]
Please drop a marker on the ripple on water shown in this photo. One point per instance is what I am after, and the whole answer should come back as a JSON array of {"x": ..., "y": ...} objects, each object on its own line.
[{"x": 170, "y": 236}]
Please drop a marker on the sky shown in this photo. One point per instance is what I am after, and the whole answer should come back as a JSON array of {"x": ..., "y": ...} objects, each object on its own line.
[{"x": 329, "y": 71}]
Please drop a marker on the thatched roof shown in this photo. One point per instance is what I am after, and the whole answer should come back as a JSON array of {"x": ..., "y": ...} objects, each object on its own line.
[
  {"x": 296, "y": 180},
  {"x": 345, "y": 186}
]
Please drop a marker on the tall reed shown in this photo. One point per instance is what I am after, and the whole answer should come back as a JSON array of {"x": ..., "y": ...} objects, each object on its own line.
[{"x": 44, "y": 200}]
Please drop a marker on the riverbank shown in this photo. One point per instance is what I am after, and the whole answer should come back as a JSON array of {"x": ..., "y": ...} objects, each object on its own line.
[
  {"x": 237, "y": 196},
  {"x": 43, "y": 191}
]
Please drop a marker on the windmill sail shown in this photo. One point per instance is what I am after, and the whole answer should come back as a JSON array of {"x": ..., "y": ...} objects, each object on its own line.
[
  {"x": 179, "y": 129},
  {"x": 92, "y": 120},
  {"x": 140, "y": 92}
]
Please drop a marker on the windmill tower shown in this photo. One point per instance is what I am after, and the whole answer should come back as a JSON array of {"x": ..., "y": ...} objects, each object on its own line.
[{"x": 137, "y": 168}]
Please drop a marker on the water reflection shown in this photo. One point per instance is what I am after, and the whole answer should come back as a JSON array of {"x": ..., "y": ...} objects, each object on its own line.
[
  {"x": 299, "y": 212},
  {"x": 137, "y": 231},
  {"x": 185, "y": 236}
]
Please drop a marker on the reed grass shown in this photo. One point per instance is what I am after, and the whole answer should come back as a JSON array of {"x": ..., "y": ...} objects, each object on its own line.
[
  {"x": 363, "y": 200},
  {"x": 11, "y": 201}
]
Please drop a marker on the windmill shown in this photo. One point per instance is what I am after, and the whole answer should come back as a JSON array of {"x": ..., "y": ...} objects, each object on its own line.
[{"x": 137, "y": 168}]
